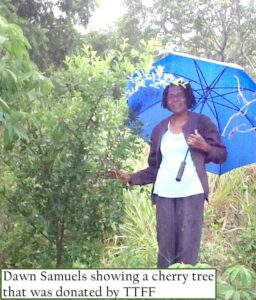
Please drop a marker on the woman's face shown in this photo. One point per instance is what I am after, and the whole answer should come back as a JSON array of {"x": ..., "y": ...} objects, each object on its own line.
[{"x": 176, "y": 100}]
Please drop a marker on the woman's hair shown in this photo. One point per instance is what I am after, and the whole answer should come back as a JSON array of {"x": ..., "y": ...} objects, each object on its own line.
[{"x": 189, "y": 95}]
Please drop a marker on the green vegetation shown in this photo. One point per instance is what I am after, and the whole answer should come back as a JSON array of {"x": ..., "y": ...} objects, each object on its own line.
[
  {"x": 50, "y": 26},
  {"x": 57, "y": 207},
  {"x": 21, "y": 83},
  {"x": 61, "y": 131},
  {"x": 228, "y": 242}
]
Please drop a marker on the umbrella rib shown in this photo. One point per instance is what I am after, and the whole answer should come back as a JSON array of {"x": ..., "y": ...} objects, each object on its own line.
[
  {"x": 209, "y": 89},
  {"x": 219, "y": 96},
  {"x": 215, "y": 81},
  {"x": 230, "y": 87},
  {"x": 202, "y": 106},
  {"x": 226, "y": 93},
  {"x": 237, "y": 108},
  {"x": 227, "y": 100},
  {"x": 205, "y": 87},
  {"x": 213, "y": 84},
  {"x": 197, "y": 71},
  {"x": 216, "y": 115},
  {"x": 223, "y": 105},
  {"x": 185, "y": 77},
  {"x": 222, "y": 96},
  {"x": 148, "y": 107},
  {"x": 198, "y": 91}
]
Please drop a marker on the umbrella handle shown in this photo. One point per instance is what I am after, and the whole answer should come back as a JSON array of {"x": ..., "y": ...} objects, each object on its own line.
[
  {"x": 182, "y": 167},
  {"x": 181, "y": 171}
]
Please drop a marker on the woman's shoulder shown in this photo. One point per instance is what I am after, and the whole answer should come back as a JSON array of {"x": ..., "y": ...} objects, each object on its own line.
[
  {"x": 203, "y": 122},
  {"x": 160, "y": 127},
  {"x": 162, "y": 124},
  {"x": 200, "y": 117}
]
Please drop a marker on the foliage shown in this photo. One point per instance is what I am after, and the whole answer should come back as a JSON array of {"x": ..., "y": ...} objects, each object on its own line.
[
  {"x": 107, "y": 41},
  {"x": 137, "y": 19},
  {"x": 246, "y": 247},
  {"x": 57, "y": 209},
  {"x": 239, "y": 284},
  {"x": 54, "y": 190},
  {"x": 216, "y": 29},
  {"x": 50, "y": 26},
  {"x": 21, "y": 83},
  {"x": 102, "y": 41},
  {"x": 229, "y": 219}
]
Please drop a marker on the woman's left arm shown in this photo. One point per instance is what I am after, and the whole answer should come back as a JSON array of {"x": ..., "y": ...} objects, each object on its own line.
[{"x": 208, "y": 141}]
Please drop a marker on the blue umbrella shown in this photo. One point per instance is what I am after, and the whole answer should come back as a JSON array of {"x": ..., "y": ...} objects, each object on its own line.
[{"x": 224, "y": 92}]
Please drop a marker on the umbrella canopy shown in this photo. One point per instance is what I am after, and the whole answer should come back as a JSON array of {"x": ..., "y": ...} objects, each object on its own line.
[{"x": 223, "y": 92}]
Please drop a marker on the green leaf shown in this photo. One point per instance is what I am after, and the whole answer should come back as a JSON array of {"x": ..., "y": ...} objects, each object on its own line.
[
  {"x": 234, "y": 274},
  {"x": 245, "y": 295},
  {"x": 237, "y": 296},
  {"x": 21, "y": 133},
  {"x": 229, "y": 294},
  {"x": 14, "y": 77},
  {"x": 2, "y": 39},
  {"x": 4, "y": 105},
  {"x": 246, "y": 277},
  {"x": 7, "y": 140},
  {"x": 2, "y": 116}
]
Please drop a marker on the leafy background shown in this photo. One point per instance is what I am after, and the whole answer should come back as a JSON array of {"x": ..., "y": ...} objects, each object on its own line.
[{"x": 63, "y": 118}]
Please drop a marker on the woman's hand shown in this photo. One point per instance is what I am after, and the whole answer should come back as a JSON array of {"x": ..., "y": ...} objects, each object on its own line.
[
  {"x": 195, "y": 140},
  {"x": 119, "y": 175}
]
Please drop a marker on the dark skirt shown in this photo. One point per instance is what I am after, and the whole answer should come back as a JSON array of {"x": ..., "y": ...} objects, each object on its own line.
[{"x": 179, "y": 227}]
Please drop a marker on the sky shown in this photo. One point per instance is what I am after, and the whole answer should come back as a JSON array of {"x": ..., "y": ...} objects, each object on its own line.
[{"x": 107, "y": 13}]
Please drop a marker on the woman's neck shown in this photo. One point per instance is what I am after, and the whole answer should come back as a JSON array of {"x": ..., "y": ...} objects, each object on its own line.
[
  {"x": 180, "y": 117},
  {"x": 177, "y": 121}
]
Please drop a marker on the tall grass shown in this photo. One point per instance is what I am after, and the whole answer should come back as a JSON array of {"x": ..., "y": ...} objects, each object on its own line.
[
  {"x": 230, "y": 215},
  {"x": 233, "y": 196},
  {"x": 136, "y": 246}
]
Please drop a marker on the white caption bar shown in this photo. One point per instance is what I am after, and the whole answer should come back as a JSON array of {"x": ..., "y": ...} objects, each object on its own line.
[{"x": 111, "y": 283}]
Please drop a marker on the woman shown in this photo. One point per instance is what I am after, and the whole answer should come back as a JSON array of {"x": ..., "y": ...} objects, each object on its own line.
[{"x": 179, "y": 204}]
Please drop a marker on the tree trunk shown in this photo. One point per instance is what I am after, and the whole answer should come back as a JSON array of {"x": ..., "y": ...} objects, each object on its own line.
[{"x": 60, "y": 242}]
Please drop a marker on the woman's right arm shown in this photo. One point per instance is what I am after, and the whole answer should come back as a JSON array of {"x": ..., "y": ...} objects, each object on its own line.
[
  {"x": 147, "y": 175},
  {"x": 142, "y": 177}
]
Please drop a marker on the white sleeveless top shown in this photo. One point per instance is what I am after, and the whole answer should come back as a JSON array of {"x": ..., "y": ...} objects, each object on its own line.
[{"x": 173, "y": 148}]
